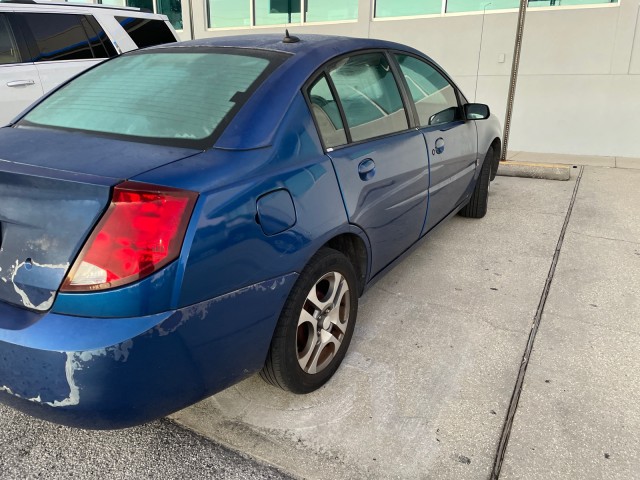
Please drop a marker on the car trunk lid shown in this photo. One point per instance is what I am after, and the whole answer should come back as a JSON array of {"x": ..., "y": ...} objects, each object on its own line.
[{"x": 54, "y": 186}]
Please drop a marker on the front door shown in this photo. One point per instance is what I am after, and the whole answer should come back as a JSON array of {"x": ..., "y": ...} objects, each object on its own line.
[{"x": 451, "y": 141}]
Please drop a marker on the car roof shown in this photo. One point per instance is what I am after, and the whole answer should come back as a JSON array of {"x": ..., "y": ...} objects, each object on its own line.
[{"x": 257, "y": 122}]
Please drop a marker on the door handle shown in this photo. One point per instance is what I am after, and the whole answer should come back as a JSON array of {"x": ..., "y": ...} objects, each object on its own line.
[
  {"x": 367, "y": 169},
  {"x": 20, "y": 83},
  {"x": 439, "y": 145}
]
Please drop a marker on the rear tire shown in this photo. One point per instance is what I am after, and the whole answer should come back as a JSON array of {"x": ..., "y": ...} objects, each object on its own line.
[
  {"x": 316, "y": 325},
  {"x": 477, "y": 206}
]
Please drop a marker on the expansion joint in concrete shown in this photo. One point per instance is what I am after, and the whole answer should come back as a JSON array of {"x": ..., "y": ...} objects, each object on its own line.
[{"x": 517, "y": 390}]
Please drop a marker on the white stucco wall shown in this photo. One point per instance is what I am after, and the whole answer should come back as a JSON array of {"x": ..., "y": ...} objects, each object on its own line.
[{"x": 579, "y": 84}]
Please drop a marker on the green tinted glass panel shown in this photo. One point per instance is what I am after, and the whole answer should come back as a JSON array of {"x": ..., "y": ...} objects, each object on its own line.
[
  {"x": 331, "y": 10},
  {"x": 277, "y": 12},
  {"x": 561, "y": 3},
  {"x": 156, "y": 95},
  {"x": 406, "y": 8},
  {"x": 369, "y": 96},
  {"x": 480, "y": 5},
  {"x": 173, "y": 10},
  {"x": 229, "y": 13}
]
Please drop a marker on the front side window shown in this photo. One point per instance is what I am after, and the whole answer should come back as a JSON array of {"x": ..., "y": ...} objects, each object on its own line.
[
  {"x": 168, "y": 97},
  {"x": 62, "y": 37},
  {"x": 369, "y": 95},
  {"x": 327, "y": 114},
  {"x": 434, "y": 97},
  {"x": 145, "y": 32},
  {"x": 9, "y": 52}
]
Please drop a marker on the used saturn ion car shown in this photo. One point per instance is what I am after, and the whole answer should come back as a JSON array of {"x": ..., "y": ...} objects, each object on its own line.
[{"x": 181, "y": 217}]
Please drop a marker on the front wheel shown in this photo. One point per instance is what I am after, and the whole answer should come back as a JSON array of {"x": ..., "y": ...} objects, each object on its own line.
[
  {"x": 316, "y": 325},
  {"x": 479, "y": 201}
]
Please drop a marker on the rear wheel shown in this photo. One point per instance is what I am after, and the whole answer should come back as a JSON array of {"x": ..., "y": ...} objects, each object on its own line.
[
  {"x": 315, "y": 326},
  {"x": 477, "y": 206}
]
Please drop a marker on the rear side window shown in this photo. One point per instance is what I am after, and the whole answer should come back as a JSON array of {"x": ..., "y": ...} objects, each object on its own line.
[
  {"x": 65, "y": 37},
  {"x": 9, "y": 52},
  {"x": 369, "y": 95},
  {"x": 171, "y": 97},
  {"x": 325, "y": 111},
  {"x": 145, "y": 32}
]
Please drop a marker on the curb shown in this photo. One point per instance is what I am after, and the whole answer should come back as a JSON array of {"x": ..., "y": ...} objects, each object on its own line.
[{"x": 546, "y": 171}]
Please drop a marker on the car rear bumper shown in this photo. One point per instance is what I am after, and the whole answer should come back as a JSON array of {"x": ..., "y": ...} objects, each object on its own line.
[{"x": 118, "y": 372}]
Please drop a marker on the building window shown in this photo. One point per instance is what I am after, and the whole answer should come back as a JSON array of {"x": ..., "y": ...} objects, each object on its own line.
[
  {"x": 229, "y": 13},
  {"x": 277, "y": 12},
  {"x": 407, "y": 8},
  {"x": 564, "y": 3},
  {"x": 454, "y": 6},
  {"x": 331, "y": 10}
]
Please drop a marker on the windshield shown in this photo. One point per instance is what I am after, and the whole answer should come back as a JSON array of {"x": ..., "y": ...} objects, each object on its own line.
[{"x": 175, "y": 96}]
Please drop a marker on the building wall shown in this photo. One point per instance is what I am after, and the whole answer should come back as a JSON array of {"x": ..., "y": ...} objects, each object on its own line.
[{"x": 579, "y": 85}]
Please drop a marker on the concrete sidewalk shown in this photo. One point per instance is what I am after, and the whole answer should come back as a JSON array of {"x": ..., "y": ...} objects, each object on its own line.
[{"x": 425, "y": 387}]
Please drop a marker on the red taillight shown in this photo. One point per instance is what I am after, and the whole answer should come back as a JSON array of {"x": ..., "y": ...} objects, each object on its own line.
[{"x": 141, "y": 232}]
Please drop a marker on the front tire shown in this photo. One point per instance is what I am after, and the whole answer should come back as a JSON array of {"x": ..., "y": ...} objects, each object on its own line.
[
  {"x": 316, "y": 325},
  {"x": 479, "y": 201}
]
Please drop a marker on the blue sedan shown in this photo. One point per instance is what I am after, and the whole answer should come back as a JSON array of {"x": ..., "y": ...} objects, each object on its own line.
[{"x": 181, "y": 217}]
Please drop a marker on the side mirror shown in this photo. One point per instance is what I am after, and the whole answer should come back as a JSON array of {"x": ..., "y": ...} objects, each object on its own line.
[{"x": 476, "y": 111}]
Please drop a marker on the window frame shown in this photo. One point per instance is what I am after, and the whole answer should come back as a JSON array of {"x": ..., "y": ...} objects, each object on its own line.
[{"x": 409, "y": 109}]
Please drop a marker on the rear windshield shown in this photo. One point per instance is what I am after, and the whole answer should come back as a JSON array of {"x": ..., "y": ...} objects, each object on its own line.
[{"x": 180, "y": 97}]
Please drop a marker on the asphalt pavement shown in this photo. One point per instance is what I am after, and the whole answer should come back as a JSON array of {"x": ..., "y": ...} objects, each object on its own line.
[{"x": 30, "y": 449}]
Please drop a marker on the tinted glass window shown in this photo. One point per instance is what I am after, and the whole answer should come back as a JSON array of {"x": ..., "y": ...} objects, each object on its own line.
[
  {"x": 434, "y": 96},
  {"x": 145, "y": 32},
  {"x": 325, "y": 110},
  {"x": 9, "y": 52},
  {"x": 61, "y": 37},
  {"x": 369, "y": 95},
  {"x": 180, "y": 98}
]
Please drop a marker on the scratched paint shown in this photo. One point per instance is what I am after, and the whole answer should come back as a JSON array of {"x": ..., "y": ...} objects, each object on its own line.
[
  {"x": 44, "y": 305},
  {"x": 75, "y": 362}
]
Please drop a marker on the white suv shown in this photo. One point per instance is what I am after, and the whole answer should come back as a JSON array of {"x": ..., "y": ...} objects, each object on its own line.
[{"x": 44, "y": 44}]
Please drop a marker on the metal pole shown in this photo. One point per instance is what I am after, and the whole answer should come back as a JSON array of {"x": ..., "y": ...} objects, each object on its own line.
[{"x": 514, "y": 78}]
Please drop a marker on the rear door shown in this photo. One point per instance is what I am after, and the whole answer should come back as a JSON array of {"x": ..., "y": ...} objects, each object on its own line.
[
  {"x": 19, "y": 81},
  {"x": 64, "y": 44},
  {"x": 451, "y": 141},
  {"x": 381, "y": 164}
]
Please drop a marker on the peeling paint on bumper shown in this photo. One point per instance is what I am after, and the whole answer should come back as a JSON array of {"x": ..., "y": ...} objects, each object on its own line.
[{"x": 118, "y": 372}]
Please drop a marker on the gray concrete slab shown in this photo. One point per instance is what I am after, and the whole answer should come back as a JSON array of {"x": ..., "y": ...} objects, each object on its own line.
[
  {"x": 588, "y": 160},
  {"x": 609, "y": 204},
  {"x": 425, "y": 386},
  {"x": 628, "y": 162},
  {"x": 579, "y": 413}
]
